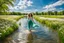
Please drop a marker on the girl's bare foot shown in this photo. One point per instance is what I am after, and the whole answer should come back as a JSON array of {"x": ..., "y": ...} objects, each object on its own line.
[
  {"x": 30, "y": 31},
  {"x": 27, "y": 31}
]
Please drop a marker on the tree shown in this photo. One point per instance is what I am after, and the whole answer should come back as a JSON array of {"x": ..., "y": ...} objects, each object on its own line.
[
  {"x": 55, "y": 12},
  {"x": 4, "y": 5},
  {"x": 42, "y": 13},
  {"x": 50, "y": 13},
  {"x": 63, "y": 12},
  {"x": 37, "y": 13}
]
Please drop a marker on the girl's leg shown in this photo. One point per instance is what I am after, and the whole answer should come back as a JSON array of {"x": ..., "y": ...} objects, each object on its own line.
[{"x": 29, "y": 27}]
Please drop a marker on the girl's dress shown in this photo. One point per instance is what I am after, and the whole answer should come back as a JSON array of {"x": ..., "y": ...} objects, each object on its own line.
[{"x": 30, "y": 23}]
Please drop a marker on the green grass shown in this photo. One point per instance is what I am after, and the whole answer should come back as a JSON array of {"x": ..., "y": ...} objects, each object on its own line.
[
  {"x": 8, "y": 25},
  {"x": 12, "y": 17},
  {"x": 61, "y": 33},
  {"x": 53, "y": 16},
  {"x": 50, "y": 23},
  {"x": 56, "y": 25}
]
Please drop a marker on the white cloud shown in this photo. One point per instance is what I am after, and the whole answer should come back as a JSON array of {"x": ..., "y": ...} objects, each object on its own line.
[
  {"x": 30, "y": 10},
  {"x": 22, "y": 4},
  {"x": 12, "y": 8},
  {"x": 29, "y": 3},
  {"x": 51, "y": 7},
  {"x": 58, "y": 3},
  {"x": 22, "y": 7}
]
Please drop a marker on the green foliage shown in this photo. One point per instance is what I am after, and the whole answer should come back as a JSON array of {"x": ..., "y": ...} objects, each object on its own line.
[
  {"x": 7, "y": 27},
  {"x": 36, "y": 13},
  {"x": 49, "y": 13},
  {"x": 4, "y": 5},
  {"x": 50, "y": 23},
  {"x": 12, "y": 17},
  {"x": 52, "y": 16},
  {"x": 56, "y": 25},
  {"x": 61, "y": 33},
  {"x": 12, "y": 13}
]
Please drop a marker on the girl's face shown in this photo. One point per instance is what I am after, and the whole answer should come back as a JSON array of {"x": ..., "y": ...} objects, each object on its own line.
[{"x": 30, "y": 15}]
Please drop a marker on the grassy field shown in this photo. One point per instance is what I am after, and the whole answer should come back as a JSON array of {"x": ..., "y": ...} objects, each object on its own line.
[
  {"x": 11, "y": 17},
  {"x": 56, "y": 25},
  {"x": 8, "y": 24},
  {"x": 53, "y": 16}
]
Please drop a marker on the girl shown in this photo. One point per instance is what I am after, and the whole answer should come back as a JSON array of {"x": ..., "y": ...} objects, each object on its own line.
[{"x": 30, "y": 21}]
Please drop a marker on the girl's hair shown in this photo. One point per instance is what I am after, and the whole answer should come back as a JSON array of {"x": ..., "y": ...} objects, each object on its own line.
[{"x": 30, "y": 15}]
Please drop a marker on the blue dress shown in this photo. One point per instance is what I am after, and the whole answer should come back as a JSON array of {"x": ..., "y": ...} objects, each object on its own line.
[{"x": 30, "y": 24}]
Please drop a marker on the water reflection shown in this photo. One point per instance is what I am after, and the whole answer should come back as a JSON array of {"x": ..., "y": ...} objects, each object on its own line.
[{"x": 30, "y": 38}]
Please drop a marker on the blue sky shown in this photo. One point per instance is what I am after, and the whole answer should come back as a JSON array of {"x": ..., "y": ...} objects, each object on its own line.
[{"x": 37, "y": 5}]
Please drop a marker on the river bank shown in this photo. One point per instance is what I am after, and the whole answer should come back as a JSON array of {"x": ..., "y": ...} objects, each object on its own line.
[
  {"x": 8, "y": 25},
  {"x": 53, "y": 24}
]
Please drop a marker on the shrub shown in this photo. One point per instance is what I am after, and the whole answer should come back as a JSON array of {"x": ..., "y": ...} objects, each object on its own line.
[
  {"x": 61, "y": 34},
  {"x": 7, "y": 27}
]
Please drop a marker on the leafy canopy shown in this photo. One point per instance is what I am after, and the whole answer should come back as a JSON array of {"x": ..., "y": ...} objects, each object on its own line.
[{"x": 4, "y": 5}]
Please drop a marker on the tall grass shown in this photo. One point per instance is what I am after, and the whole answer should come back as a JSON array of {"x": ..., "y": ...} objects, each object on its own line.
[
  {"x": 61, "y": 33},
  {"x": 50, "y": 23},
  {"x": 8, "y": 25},
  {"x": 56, "y": 25},
  {"x": 12, "y": 17},
  {"x": 53, "y": 16}
]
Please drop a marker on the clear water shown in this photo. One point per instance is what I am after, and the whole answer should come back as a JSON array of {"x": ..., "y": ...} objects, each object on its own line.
[{"x": 39, "y": 34}]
